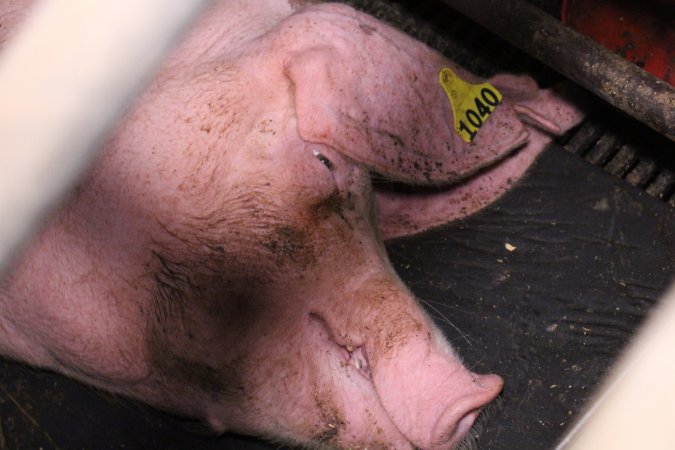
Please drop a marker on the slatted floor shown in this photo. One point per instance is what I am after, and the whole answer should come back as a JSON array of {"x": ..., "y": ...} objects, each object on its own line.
[{"x": 628, "y": 151}]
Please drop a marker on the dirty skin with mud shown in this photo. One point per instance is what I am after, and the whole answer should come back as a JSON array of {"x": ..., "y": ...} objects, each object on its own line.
[{"x": 308, "y": 285}]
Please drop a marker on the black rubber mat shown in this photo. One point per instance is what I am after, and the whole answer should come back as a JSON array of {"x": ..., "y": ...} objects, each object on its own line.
[{"x": 591, "y": 256}]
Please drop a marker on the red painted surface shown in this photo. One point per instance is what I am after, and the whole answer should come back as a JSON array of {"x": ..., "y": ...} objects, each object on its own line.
[{"x": 641, "y": 31}]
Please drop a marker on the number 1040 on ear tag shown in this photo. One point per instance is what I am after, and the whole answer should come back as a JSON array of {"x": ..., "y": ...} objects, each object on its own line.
[{"x": 472, "y": 104}]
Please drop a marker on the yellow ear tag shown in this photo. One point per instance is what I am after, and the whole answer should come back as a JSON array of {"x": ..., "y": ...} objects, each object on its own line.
[{"x": 472, "y": 104}]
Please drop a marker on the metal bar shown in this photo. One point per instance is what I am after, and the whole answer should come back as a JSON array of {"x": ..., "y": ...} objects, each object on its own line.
[
  {"x": 635, "y": 407},
  {"x": 64, "y": 78},
  {"x": 617, "y": 81}
]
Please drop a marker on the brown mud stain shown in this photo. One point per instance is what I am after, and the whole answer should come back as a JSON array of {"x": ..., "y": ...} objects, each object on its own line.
[
  {"x": 331, "y": 421},
  {"x": 291, "y": 244}
]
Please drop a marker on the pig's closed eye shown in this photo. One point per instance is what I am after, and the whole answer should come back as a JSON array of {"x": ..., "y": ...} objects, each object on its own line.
[{"x": 325, "y": 161}]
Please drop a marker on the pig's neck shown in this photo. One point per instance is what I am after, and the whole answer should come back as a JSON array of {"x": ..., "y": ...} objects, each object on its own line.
[
  {"x": 89, "y": 296},
  {"x": 214, "y": 38}
]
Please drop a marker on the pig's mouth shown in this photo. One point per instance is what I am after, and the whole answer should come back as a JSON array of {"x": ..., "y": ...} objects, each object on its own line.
[
  {"x": 358, "y": 357},
  {"x": 353, "y": 354}
]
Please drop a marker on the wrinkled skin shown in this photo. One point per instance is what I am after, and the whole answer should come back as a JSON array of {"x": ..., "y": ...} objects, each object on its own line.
[{"x": 223, "y": 259}]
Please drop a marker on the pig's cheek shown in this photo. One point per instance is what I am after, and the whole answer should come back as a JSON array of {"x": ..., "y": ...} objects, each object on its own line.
[
  {"x": 328, "y": 399},
  {"x": 236, "y": 381},
  {"x": 297, "y": 384}
]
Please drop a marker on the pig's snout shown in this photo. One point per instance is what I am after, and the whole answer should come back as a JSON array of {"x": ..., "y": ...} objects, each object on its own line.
[
  {"x": 423, "y": 392},
  {"x": 433, "y": 399}
]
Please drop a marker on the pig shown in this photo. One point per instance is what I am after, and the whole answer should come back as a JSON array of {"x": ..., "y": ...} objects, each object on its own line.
[{"x": 223, "y": 259}]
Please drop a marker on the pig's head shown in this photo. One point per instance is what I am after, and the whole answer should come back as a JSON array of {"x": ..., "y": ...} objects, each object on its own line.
[
  {"x": 241, "y": 185},
  {"x": 292, "y": 323}
]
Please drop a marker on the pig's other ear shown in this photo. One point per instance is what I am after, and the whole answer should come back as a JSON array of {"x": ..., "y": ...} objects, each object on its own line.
[{"x": 389, "y": 111}]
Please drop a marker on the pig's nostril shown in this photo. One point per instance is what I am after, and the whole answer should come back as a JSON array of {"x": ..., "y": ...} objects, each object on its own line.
[
  {"x": 465, "y": 424},
  {"x": 456, "y": 432}
]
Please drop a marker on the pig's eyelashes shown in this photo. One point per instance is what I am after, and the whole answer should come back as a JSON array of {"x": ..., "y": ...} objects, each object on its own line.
[{"x": 325, "y": 161}]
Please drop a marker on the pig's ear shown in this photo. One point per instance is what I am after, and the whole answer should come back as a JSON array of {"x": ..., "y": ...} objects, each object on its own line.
[
  {"x": 553, "y": 111},
  {"x": 557, "y": 109},
  {"x": 390, "y": 112}
]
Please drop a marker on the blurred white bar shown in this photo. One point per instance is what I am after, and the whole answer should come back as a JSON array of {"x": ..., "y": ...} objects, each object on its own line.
[
  {"x": 64, "y": 78},
  {"x": 635, "y": 408}
]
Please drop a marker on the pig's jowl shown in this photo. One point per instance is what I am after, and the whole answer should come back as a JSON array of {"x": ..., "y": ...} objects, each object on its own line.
[{"x": 223, "y": 259}]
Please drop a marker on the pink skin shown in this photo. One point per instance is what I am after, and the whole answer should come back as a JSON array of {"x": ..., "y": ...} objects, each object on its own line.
[{"x": 223, "y": 258}]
